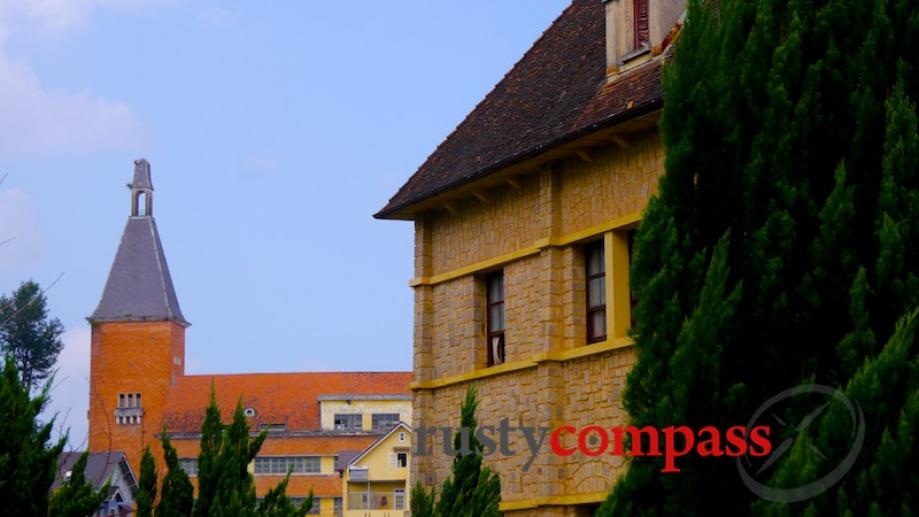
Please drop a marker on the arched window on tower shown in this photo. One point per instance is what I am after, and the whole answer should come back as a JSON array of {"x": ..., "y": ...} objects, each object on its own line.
[{"x": 141, "y": 203}]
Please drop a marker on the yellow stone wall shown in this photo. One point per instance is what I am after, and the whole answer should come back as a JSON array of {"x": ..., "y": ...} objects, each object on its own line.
[{"x": 551, "y": 376}]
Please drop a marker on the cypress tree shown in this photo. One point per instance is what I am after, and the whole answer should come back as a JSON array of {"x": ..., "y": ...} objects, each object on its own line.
[
  {"x": 28, "y": 457},
  {"x": 77, "y": 497},
  {"x": 177, "y": 493},
  {"x": 473, "y": 490},
  {"x": 422, "y": 501},
  {"x": 146, "y": 490},
  {"x": 277, "y": 504},
  {"x": 781, "y": 248}
]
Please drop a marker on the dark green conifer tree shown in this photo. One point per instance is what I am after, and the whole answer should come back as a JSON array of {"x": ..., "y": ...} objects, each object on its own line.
[
  {"x": 473, "y": 490},
  {"x": 781, "y": 248},
  {"x": 177, "y": 495},
  {"x": 277, "y": 504},
  {"x": 146, "y": 490},
  {"x": 77, "y": 497},
  {"x": 422, "y": 504},
  {"x": 28, "y": 457}
]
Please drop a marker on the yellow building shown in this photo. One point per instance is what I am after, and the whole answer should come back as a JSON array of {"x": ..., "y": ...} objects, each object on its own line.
[
  {"x": 523, "y": 221},
  {"x": 375, "y": 482}
]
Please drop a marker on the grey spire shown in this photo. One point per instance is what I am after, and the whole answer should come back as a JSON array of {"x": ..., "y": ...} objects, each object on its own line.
[
  {"x": 141, "y": 175},
  {"x": 141, "y": 190},
  {"x": 139, "y": 287}
]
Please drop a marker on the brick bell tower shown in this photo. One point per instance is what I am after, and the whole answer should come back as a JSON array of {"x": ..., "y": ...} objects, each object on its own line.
[{"x": 138, "y": 336}]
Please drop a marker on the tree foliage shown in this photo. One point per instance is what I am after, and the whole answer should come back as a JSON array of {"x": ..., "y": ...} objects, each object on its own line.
[
  {"x": 473, "y": 490},
  {"x": 782, "y": 248},
  {"x": 422, "y": 504},
  {"x": 177, "y": 493},
  {"x": 77, "y": 497},
  {"x": 28, "y": 458},
  {"x": 28, "y": 334},
  {"x": 146, "y": 490},
  {"x": 225, "y": 486}
]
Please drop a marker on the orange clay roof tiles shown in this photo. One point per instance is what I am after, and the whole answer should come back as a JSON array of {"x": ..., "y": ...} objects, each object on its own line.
[{"x": 278, "y": 398}]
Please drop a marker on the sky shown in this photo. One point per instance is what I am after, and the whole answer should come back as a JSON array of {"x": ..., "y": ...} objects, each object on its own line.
[{"x": 274, "y": 131}]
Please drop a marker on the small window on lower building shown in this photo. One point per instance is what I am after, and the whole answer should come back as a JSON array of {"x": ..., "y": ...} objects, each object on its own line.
[
  {"x": 189, "y": 465},
  {"x": 349, "y": 422},
  {"x": 494, "y": 285},
  {"x": 317, "y": 504},
  {"x": 383, "y": 422},
  {"x": 398, "y": 498},
  {"x": 595, "y": 262},
  {"x": 281, "y": 465},
  {"x": 402, "y": 459},
  {"x": 337, "y": 507}
]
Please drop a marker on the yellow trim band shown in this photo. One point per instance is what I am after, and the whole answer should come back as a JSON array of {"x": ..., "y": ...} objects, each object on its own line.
[
  {"x": 558, "y": 500},
  {"x": 559, "y": 355},
  {"x": 537, "y": 246},
  {"x": 471, "y": 376}
]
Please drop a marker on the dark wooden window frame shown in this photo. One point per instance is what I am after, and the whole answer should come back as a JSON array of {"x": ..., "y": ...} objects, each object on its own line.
[
  {"x": 641, "y": 27},
  {"x": 602, "y": 274},
  {"x": 494, "y": 333}
]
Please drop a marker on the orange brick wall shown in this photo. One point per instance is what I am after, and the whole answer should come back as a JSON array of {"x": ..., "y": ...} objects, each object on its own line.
[{"x": 132, "y": 357}]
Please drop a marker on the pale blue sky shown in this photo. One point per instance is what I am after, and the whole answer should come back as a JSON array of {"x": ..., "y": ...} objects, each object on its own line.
[{"x": 274, "y": 129}]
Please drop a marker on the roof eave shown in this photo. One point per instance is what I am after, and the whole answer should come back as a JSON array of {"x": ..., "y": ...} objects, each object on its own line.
[{"x": 398, "y": 212}]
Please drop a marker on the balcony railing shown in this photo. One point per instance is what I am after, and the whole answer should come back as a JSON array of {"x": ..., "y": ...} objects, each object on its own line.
[{"x": 374, "y": 501}]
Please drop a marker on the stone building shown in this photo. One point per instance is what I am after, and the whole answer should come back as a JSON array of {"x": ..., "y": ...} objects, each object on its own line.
[
  {"x": 523, "y": 222},
  {"x": 138, "y": 384}
]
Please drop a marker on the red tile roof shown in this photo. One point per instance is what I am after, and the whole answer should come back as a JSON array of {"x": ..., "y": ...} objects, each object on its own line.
[
  {"x": 278, "y": 398},
  {"x": 557, "y": 92}
]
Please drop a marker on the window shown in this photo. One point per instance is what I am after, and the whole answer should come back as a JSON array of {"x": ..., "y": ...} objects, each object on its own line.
[
  {"x": 402, "y": 459},
  {"x": 249, "y": 412},
  {"x": 137, "y": 399},
  {"x": 121, "y": 400},
  {"x": 348, "y": 422},
  {"x": 633, "y": 298},
  {"x": 401, "y": 437},
  {"x": 189, "y": 465},
  {"x": 641, "y": 35},
  {"x": 130, "y": 400},
  {"x": 337, "y": 508},
  {"x": 314, "y": 510},
  {"x": 595, "y": 262},
  {"x": 282, "y": 464},
  {"x": 273, "y": 428},
  {"x": 494, "y": 285},
  {"x": 385, "y": 421},
  {"x": 398, "y": 498}
]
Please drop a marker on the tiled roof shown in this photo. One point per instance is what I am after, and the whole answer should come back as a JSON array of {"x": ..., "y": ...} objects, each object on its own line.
[
  {"x": 554, "y": 94},
  {"x": 278, "y": 398},
  {"x": 139, "y": 287},
  {"x": 99, "y": 466},
  {"x": 299, "y": 486}
]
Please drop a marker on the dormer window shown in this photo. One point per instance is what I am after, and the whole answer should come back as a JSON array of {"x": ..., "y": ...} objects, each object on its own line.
[
  {"x": 641, "y": 35},
  {"x": 636, "y": 30}
]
